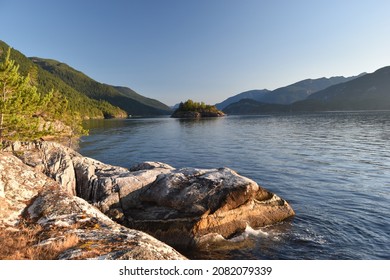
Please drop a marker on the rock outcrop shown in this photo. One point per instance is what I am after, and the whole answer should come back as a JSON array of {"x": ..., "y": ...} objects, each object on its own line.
[
  {"x": 29, "y": 197},
  {"x": 196, "y": 115},
  {"x": 18, "y": 185},
  {"x": 161, "y": 200},
  {"x": 196, "y": 203},
  {"x": 100, "y": 237},
  {"x": 50, "y": 158}
]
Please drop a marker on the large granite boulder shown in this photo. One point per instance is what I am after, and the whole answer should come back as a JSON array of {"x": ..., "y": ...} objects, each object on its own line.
[
  {"x": 114, "y": 189},
  {"x": 197, "y": 203}
]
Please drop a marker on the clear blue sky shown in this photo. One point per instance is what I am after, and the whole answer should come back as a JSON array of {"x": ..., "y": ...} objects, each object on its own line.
[{"x": 206, "y": 50}]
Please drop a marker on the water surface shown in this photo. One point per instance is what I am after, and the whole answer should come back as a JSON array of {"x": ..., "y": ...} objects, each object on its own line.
[{"x": 333, "y": 168}]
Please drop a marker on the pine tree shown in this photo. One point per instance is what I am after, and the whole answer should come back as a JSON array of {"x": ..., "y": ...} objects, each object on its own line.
[
  {"x": 18, "y": 103},
  {"x": 27, "y": 115},
  {"x": 55, "y": 108}
]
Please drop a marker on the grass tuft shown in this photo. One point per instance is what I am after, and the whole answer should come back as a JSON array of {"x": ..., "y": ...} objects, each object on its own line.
[{"x": 25, "y": 244}]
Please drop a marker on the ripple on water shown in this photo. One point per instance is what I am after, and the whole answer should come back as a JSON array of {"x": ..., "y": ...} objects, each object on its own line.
[{"x": 333, "y": 168}]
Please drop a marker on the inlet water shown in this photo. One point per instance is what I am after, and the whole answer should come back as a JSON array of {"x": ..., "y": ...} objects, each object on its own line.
[{"x": 333, "y": 168}]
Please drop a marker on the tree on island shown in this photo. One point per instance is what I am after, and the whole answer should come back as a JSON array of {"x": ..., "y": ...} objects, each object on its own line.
[
  {"x": 26, "y": 114},
  {"x": 192, "y": 109}
]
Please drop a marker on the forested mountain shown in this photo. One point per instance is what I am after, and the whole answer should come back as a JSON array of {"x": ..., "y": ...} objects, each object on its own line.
[
  {"x": 125, "y": 98},
  {"x": 92, "y": 99},
  {"x": 45, "y": 82},
  {"x": 142, "y": 99},
  {"x": 27, "y": 113}
]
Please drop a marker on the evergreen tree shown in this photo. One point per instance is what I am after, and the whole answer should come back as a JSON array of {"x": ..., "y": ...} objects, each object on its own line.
[
  {"x": 55, "y": 108},
  {"x": 27, "y": 115},
  {"x": 18, "y": 103}
]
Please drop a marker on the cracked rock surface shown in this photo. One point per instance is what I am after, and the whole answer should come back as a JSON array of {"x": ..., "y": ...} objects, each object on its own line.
[
  {"x": 29, "y": 197},
  {"x": 159, "y": 199}
]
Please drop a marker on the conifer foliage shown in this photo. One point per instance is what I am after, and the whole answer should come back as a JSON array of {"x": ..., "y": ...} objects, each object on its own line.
[{"x": 26, "y": 114}]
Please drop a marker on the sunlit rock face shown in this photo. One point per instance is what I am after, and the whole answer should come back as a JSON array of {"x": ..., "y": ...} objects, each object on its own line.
[
  {"x": 19, "y": 184},
  {"x": 193, "y": 203},
  {"x": 30, "y": 198},
  {"x": 178, "y": 206}
]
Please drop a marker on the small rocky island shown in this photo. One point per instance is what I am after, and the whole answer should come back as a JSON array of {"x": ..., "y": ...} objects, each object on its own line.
[{"x": 196, "y": 110}]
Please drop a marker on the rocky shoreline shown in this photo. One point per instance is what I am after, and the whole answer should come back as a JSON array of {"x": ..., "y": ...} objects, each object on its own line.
[
  {"x": 120, "y": 213},
  {"x": 196, "y": 115}
]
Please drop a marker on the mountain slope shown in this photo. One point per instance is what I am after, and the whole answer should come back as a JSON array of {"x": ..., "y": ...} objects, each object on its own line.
[
  {"x": 253, "y": 107},
  {"x": 145, "y": 100},
  {"x": 301, "y": 90},
  {"x": 125, "y": 98},
  {"x": 288, "y": 94},
  {"x": 256, "y": 94},
  {"x": 369, "y": 92},
  {"x": 45, "y": 82}
]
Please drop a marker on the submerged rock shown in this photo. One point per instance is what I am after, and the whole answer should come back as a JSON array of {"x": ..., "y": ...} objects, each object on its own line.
[{"x": 161, "y": 200}]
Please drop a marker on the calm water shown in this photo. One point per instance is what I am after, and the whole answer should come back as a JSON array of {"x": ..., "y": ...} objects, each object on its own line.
[{"x": 333, "y": 168}]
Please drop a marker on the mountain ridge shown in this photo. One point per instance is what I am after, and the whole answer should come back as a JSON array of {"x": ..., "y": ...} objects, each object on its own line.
[
  {"x": 287, "y": 94},
  {"x": 366, "y": 92},
  {"x": 45, "y": 82},
  {"x": 90, "y": 98},
  {"x": 122, "y": 97},
  {"x": 254, "y": 94},
  {"x": 302, "y": 89}
]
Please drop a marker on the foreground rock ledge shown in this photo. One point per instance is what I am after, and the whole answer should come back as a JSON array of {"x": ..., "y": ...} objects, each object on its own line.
[
  {"x": 30, "y": 198},
  {"x": 181, "y": 207}
]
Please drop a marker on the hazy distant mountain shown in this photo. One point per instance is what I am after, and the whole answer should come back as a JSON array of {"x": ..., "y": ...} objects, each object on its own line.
[
  {"x": 253, "y": 107},
  {"x": 125, "y": 98},
  {"x": 288, "y": 94},
  {"x": 367, "y": 92},
  {"x": 255, "y": 94},
  {"x": 174, "y": 107},
  {"x": 302, "y": 89}
]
